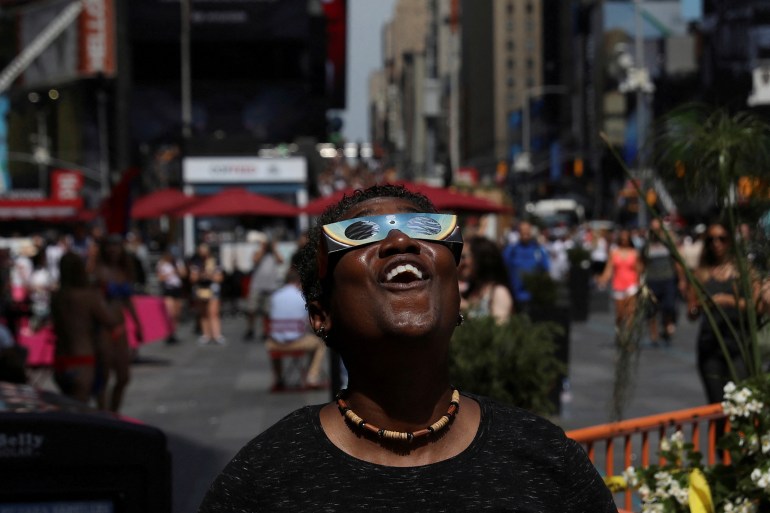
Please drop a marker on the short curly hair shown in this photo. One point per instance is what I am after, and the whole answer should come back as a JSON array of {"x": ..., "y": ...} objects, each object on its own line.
[{"x": 313, "y": 287}]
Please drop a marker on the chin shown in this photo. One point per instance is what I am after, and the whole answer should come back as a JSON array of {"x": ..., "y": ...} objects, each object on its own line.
[{"x": 416, "y": 326}]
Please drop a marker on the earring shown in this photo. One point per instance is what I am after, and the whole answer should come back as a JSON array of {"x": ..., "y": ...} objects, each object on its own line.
[
  {"x": 321, "y": 333},
  {"x": 460, "y": 319}
]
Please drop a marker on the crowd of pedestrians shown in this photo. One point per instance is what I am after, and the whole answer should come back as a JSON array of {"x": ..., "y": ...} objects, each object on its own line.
[
  {"x": 639, "y": 270},
  {"x": 50, "y": 281},
  {"x": 77, "y": 287}
]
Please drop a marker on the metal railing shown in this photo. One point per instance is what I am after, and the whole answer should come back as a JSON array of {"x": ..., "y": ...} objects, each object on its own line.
[{"x": 638, "y": 437}]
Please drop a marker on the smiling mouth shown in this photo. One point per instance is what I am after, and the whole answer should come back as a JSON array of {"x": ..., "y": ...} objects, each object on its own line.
[{"x": 405, "y": 273}]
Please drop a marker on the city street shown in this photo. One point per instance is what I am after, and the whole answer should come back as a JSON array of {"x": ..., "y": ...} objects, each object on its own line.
[{"x": 211, "y": 400}]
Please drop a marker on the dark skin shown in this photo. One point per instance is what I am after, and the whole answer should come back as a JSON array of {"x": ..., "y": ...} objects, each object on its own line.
[{"x": 394, "y": 338}]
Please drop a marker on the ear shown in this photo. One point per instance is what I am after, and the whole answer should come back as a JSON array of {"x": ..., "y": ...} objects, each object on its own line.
[{"x": 319, "y": 316}]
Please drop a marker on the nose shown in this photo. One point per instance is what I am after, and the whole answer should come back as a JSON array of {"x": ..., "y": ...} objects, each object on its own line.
[{"x": 397, "y": 242}]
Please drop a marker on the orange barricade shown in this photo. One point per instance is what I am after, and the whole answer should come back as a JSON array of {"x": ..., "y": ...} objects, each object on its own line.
[{"x": 636, "y": 437}]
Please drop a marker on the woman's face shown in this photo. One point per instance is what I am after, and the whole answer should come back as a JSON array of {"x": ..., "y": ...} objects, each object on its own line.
[
  {"x": 399, "y": 287},
  {"x": 624, "y": 238},
  {"x": 718, "y": 240},
  {"x": 465, "y": 270}
]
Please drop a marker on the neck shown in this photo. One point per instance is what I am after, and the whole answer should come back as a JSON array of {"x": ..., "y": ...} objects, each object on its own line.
[{"x": 405, "y": 400}]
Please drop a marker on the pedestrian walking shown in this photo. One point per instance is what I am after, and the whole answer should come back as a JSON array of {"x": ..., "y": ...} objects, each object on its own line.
[
  {"x": 265, "y": 279},
  {"x": 523, "y": 258}
]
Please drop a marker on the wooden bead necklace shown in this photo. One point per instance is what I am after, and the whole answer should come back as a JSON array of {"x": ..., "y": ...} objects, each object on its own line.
[{"x": 350, "y": 415}]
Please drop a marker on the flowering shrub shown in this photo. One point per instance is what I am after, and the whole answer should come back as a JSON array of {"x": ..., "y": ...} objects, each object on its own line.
[{"x": 684, "y": 484}]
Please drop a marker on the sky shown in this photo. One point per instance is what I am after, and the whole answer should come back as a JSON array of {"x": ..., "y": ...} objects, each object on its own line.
[{"x": 365, "y": 21}]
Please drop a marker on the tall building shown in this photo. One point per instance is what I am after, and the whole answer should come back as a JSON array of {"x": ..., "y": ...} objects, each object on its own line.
[{"x": 406, "y": 70}]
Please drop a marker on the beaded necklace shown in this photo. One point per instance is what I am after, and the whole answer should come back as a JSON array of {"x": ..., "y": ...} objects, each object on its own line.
[{"x": 350, "y": 415}]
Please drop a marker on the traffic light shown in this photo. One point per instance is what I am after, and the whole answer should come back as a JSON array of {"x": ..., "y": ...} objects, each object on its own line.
[
  {"x": 679, "y": 169},
  {"x": 577, "y": 167}
]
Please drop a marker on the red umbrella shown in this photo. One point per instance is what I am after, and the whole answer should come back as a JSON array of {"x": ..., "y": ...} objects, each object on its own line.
[
  {"x": 318, "y": 205},
  {"x": 451, "y": 200},
  {"x": 238, "y": 202},
  {"x": 161, "y": 202},
  {"x": 443, "y": 199}
]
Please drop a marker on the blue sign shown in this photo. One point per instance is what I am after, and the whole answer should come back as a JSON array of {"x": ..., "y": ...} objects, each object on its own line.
[
  {"x": 60, "y": 507},
  {"x": 5, "y": 177}
]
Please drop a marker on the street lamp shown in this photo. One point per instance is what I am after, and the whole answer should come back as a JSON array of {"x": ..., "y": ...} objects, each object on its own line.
[
  {"x": 760, "y": 94},
  {"x": 637, "y": 80}
]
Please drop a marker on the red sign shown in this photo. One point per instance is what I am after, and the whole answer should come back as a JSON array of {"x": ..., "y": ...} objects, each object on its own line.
[
  {"x": 66, "y": 185},
  {"x": 97, "y": 38}
]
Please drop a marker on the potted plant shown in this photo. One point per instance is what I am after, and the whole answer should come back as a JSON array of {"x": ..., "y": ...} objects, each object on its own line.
[{"x": 514, "y": 362}]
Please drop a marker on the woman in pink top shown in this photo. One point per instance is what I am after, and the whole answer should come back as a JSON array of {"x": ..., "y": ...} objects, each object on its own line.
[{"x": 624, "y": 267}]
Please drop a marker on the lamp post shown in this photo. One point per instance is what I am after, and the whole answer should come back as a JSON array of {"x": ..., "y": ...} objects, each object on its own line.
[{"x": 638, "y": 81}]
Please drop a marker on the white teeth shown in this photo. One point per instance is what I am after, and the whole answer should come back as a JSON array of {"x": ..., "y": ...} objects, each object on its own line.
[{"x": 407, "y": 268}]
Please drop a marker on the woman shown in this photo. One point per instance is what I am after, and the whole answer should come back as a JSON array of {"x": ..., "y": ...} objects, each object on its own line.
[
  {"x": 624, "y": 268},
  {"x": 206, "y": 279},
  {"x": 484, "y": 281},
  {"x": 171, "y": 273},
  {"x": 380, "y": 278},
  {"x": 718, "y": 274},
  {"x": 266, "y": 278},
  {"x": 114, "y": 276},
  {"x": 76, "y": 308}
]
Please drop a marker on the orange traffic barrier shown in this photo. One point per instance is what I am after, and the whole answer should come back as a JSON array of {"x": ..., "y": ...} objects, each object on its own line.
[{"x": 635, "y": 436}]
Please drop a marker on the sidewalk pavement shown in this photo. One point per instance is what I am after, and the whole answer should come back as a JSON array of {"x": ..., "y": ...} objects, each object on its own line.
[{"x": 211, "y": 400}]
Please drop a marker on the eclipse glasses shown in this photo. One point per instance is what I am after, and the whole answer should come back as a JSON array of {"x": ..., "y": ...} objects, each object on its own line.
[{"x": 351, "y": 233}]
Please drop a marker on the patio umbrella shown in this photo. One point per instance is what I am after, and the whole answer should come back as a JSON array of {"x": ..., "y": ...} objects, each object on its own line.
[
  {"x": 161, "y": 202},
  {"x": 238, "y": 202},
  {"x": 455, "y": 201},
  {"x": 318, "y": 205}
]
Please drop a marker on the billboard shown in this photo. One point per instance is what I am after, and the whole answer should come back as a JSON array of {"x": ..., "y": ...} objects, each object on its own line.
[
  {"x": 216, "y": 20},
  {"x": 336, "y": 12},
  {"x": 85, "y": 48}
]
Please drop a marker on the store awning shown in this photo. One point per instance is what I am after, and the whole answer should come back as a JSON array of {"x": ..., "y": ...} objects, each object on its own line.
[
  {"x": 161, "y": 202},
  {"x": 42, "y": 209},
  {"x": 443, "y": 199}
]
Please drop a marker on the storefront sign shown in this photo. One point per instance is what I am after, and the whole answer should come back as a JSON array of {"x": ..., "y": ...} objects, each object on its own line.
[
  {"x": 97, "y": 38},
  {"x": 39, "y": 209},
  {"x": 66, "y": 185},
  {"x": 230, "y": 170}
]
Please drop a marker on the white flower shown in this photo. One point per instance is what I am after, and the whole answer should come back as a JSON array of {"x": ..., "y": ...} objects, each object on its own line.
[
  {"x": 677, "y": 439},
  {"x": 665, "y": 445},
  {"x": 753, "y": 443},
  {"x": 681, "y": 495},
  {"x": 741, "y": 505},
  {"x": 765, "y": 443},
  {"x": 761, "y": 479},
  {"x": 653, "y": 508},
  {"x": 631, "y": 477},
  {"x": 644, "y": 492},
  {"x": 729, "y": 388}
]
